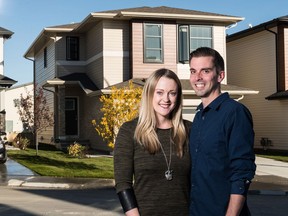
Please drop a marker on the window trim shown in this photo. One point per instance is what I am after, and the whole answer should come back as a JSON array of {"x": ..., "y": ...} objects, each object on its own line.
[
  {"x": 75, "y": 55},
  {"x": 45, "y": 57},
  {"x": 188, "y": 27},
  {"x": 146, "y": 60}
]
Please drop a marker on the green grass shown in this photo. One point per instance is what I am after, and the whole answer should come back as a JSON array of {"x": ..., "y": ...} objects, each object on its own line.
[
  {"x": 60, "y": 164},
  {"x": 273, "y": 154}
]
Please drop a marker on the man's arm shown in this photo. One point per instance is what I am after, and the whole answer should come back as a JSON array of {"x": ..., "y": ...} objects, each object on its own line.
[{"x": 235, "y": 205}]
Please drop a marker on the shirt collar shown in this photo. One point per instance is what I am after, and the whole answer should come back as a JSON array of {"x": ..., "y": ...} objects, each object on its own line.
[{"x": 215, "y": 103}]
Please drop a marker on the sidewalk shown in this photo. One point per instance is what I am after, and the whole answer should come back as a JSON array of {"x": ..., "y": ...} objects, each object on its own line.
[{"x": 271, "y": 179}]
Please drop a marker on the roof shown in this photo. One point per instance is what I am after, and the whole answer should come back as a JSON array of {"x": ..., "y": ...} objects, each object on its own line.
[
  {"x": 234, "y": 91},
  {"x": 278, "y": 95},
  {"x": 6, "y": 33},
  {"x": 163, "y": 10},
  {"x": 159, "y": 13},
  {"x": 261, "y": 27},
  {"x": 155, "y": 13},
  {"x": 6, "y": 82},
  {"x": 76, "y": 78}
]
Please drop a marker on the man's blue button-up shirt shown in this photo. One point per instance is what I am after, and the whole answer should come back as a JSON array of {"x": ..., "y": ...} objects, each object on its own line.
[{"x": 223, "y": 160}]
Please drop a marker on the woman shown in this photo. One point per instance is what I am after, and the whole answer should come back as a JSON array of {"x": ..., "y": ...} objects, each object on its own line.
[{"x": 151, "y": 159}]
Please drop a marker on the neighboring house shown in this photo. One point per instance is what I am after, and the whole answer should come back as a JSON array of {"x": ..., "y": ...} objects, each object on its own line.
[
  {"x": 5, "y": 82},
  {"x": 257, "y": 58},
  {"x": 13, "y": 122},
  {"x": 77, "y": 62}
]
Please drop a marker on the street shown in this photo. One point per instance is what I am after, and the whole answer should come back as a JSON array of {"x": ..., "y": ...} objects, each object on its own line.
[
  {"x": 21, "y": 201},
  {"x": 100, "y": 202}
]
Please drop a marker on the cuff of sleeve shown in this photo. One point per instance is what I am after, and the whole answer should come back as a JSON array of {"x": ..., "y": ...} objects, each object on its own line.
[
  {"x": 240, "y": 187},
  {"x": 127, "y": 199}
]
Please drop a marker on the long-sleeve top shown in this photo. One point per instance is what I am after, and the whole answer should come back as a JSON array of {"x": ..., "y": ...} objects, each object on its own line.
[
  {"x": 223, "y": 160},
  {"x": 136, "y": 168}
]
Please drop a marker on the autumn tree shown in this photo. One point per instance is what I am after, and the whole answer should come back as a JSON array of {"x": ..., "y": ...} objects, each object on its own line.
[
  {"x": 34, "y": 112},
  {"x": 120, "y": 106}
]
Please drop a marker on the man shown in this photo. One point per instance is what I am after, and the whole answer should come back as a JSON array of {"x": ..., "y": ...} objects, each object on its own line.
[{"x": 221, "y": 142}]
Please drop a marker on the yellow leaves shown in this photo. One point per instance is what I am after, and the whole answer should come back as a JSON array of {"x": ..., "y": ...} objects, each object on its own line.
[
  {"x": 76, "y": 150},
  {"x": 120, "y": 106}
]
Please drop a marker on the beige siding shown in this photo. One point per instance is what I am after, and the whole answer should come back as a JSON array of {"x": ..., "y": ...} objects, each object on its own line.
[
  {"x": 286, "y": 57},
  {"x": 116, "y": 51},
  {"x": 43, "y": 74},
  {"x": 65, "y": 67},
  {"x": 1, "y": 55},
  {"x": 13, "y": 122},
  {"x": 141, "y": 69},
  {"x": 251, "y": 64},
  {"x": 94, "y": 41},
  {"x": 219, "y": 43},
  {"x": 94, "y": 48},
  {"x": 61, "y": 46}
]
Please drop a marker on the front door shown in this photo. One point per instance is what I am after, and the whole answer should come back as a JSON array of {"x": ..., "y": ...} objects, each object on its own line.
[{"x": 71, "y": 116}]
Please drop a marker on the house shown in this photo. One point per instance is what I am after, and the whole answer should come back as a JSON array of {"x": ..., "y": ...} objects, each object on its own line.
[
  {"x": 75, "y": 63},
  {"x": 257, "y": 58},
  {"x": 13, "y": 122},
  {"x": 5, "y": 82}
]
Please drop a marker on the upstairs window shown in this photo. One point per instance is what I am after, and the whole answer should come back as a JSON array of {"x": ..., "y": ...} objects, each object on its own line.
[
  {"x": 191, "y": 37},
  {"x": 45, "y": 57},
  {"x": 153, "y": 43},
  {"x": 72, "y": 48}
]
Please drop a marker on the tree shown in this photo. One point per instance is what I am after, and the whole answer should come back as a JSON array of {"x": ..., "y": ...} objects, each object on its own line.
[
  {"x": 34, "y": 112},
  {"x": 120, "y": 106}
]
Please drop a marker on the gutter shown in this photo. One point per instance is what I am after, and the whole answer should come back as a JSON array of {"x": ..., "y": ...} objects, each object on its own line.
[{"x": 277, "y": 56}]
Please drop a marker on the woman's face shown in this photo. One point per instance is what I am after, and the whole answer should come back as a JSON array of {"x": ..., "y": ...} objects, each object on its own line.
[{"x": 165, "y": 97}]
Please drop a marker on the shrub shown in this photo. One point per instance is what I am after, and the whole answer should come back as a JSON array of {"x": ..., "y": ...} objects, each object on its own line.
[
  {"x": 77, "y": 150},
  {"x": 21, "y": 143}
]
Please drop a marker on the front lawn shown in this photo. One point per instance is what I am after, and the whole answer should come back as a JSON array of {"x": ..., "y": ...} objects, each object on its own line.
[{"x": 60, "y": 164}]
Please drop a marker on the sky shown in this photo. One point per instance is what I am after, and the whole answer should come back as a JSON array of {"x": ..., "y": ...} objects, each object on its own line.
[{"x": 27, "y": 18}]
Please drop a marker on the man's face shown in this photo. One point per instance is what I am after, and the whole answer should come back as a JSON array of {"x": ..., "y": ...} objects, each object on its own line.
[{"x": 204, "y": 78}]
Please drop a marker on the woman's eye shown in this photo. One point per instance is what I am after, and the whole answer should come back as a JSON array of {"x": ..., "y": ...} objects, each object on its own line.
[
  {"x": 159, "y": 92},
  {"x": 173, "y": 93}
]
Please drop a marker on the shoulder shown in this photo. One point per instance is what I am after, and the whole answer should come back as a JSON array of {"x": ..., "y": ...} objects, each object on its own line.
[
  {"x": 235, "y": 109},
  {"x": 235, "y": 105},
  {"x": 129, "y": 125}
]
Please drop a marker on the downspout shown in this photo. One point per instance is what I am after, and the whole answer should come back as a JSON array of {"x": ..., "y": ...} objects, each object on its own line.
[
  {"x": 34, "y": 92},
  {"x": 55, "y": 112},
  {"x": 277, "y": 56}
]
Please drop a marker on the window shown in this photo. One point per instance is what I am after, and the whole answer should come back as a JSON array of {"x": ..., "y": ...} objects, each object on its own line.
[
  {"x": 191, "y": 37},
  {"x": 153, "y": 43},
  {"x": 45, "y": 57},
  {"x": 72, "y": 48}
]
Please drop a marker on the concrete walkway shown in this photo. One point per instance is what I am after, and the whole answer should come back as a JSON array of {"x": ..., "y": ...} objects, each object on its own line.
[
  {"x": 271, "y": 178},
  {"x": 267, "y": 166}
]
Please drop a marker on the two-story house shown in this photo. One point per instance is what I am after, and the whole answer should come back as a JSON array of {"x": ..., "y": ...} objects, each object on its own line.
[
  {"x": 257, "y": 58},
  {"x": 75, "y": 63},
  {"x": 5, "y": 82}
]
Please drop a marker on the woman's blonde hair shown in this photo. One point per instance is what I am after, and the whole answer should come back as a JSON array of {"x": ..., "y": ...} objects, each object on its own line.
[{"x": 145, "y": 132}]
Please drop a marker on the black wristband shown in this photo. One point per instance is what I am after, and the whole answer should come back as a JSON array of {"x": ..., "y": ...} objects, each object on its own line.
[{"x": 127, "y": 199}]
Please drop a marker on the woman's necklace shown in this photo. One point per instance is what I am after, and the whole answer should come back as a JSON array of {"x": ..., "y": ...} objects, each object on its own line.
[{"x": 168, "y": 173}]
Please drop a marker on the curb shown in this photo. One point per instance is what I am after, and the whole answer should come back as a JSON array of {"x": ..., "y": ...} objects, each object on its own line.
[
  {"x": 60, "y": 183},
  {"x": 20, "y": 183},
  {"x": 268, "y": 192}
]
